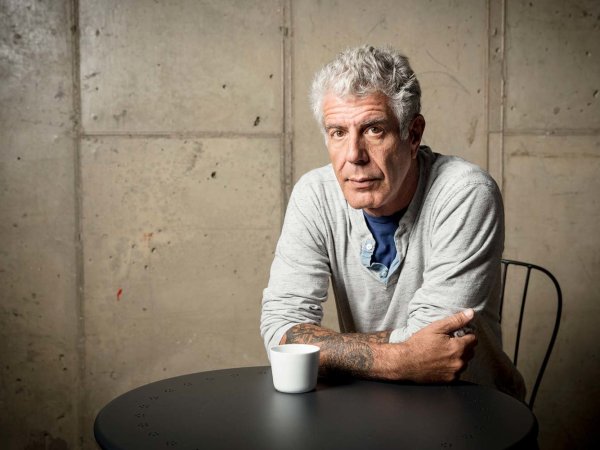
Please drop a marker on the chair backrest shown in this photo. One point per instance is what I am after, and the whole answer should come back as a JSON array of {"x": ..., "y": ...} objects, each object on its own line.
[{"x": 529, "y": 268}]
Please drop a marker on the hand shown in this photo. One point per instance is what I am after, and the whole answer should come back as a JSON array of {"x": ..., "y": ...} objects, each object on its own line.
[{"x": 433, "y": 355}]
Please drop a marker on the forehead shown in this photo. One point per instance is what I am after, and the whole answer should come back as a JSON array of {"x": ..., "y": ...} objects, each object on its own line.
[{"x": 349, "y": 109}]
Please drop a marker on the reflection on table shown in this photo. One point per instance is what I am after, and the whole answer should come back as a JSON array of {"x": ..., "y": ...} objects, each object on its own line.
[{"x": 240, "y": 409}]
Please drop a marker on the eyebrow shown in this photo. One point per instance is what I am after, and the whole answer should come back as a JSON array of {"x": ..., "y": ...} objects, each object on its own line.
[
  {"x": 362, "y": 125},
  {"x": 370, "y": 123}
]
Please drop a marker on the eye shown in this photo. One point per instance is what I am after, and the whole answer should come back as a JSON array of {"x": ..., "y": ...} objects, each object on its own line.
[
  {"x": 374, "y": 130},
  {"x": 336, "y": 134}
]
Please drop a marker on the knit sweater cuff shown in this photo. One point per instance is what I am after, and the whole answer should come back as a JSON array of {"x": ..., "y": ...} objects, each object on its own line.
[{"x": 398, "y": 335}]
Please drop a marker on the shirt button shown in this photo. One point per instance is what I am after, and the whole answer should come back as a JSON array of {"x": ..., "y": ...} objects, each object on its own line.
[
  {"x": 384, "y": 274},
  {"x": 369, "y": 246}
]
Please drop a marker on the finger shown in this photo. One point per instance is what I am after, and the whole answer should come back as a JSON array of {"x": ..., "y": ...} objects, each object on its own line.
[
  {"x": 469, "y": 342},
  {"x": 463, "y": 331},
  {"x": 454, "y": 322}
]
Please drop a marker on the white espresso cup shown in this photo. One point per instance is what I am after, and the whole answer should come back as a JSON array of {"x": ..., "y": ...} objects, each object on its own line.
[{"x": 295, "y": 367}]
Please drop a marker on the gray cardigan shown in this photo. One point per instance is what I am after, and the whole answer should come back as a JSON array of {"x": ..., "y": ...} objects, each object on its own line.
[{"x": 449, "y": 243}]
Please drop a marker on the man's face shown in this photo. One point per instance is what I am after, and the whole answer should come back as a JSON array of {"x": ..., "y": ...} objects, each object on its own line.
[{"x": 376, "y": 169}]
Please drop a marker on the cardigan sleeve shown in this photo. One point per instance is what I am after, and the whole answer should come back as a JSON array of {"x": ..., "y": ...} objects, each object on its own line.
[
  {"x": 300, "y": 271},
  {"x": 462, "y": 268}
]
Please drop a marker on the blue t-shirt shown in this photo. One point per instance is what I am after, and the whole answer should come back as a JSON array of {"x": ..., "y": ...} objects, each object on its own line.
[{"x": 383, "y": 229}]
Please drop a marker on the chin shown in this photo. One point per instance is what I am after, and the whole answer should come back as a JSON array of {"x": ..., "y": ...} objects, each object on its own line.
[{"x": 358, "y": 203}]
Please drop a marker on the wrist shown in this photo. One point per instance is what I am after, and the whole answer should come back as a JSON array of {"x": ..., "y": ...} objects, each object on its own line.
[{"x": 391, "y": 362}]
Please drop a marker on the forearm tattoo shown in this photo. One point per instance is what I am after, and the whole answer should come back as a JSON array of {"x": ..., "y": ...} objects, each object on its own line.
[{"x": 350, "y": 353}]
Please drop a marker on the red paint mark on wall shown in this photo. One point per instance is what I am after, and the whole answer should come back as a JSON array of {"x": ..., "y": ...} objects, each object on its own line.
[
  {"x": 147, "y": 238},
  {"x": 119, "y": 293}
]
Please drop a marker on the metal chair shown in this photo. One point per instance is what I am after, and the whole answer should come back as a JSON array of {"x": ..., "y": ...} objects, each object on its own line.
[{"x": 529, "y": 268}]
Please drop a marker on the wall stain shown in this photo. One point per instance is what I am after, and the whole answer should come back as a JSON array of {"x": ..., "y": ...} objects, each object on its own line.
[
  {"x": 472, "y": 131},
  {"x": 91, "y": 75},
  {"x": 120, "y": 116},
  {"x": 45, "y": 441},
  {"x": 147, "y": 237},
  {"x": 60, "y": 93},
  {"x": 194, "y": 157}
]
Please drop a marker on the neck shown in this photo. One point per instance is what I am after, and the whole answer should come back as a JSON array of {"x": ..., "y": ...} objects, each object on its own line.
[{"x": 412, "y": 181}]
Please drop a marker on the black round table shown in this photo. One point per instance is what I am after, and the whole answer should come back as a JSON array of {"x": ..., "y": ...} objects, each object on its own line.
[{"x": 240, "y": 409}]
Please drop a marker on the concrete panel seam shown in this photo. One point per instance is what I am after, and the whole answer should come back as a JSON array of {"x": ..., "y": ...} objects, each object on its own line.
[
  {"x": 552, "y": 132},
  {"x": 495, "y": 88},
  {"x": 73, "y": 13},
  {"x": 182, "y": 135},
  {"x": 287, "y": 169}
]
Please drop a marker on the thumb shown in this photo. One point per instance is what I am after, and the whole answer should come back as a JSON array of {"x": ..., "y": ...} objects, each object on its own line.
[{"x": 454, "y": 322}]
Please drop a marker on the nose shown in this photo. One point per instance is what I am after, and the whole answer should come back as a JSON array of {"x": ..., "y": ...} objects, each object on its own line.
[{"x": 357, "y": 151}]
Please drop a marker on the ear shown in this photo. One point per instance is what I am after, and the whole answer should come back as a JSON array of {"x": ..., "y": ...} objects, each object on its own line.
[{"x": 415, "y": 133}]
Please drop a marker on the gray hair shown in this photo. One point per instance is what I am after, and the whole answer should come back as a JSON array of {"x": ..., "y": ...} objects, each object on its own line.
[{"x": 366, "y": 70}]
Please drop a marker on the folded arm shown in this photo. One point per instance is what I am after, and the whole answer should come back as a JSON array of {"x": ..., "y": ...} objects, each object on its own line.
[
  {"x": 424, "y": 351},
  {"x": 352, "y": 353},
  {"x": 463, "y": 264},
  {"x": 430, "y": 355}
]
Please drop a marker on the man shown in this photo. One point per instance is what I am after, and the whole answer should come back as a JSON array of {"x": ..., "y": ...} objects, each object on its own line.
[{"x": 411, "y": 240}]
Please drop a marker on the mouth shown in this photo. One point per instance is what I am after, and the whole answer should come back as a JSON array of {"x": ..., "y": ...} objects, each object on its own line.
[{"x": 362, "y": 182}]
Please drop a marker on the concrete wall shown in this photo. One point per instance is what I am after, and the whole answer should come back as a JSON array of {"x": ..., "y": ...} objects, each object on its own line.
[
  {"x": 147, "y": 149},
  {"x": 39, "y": 264}
]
